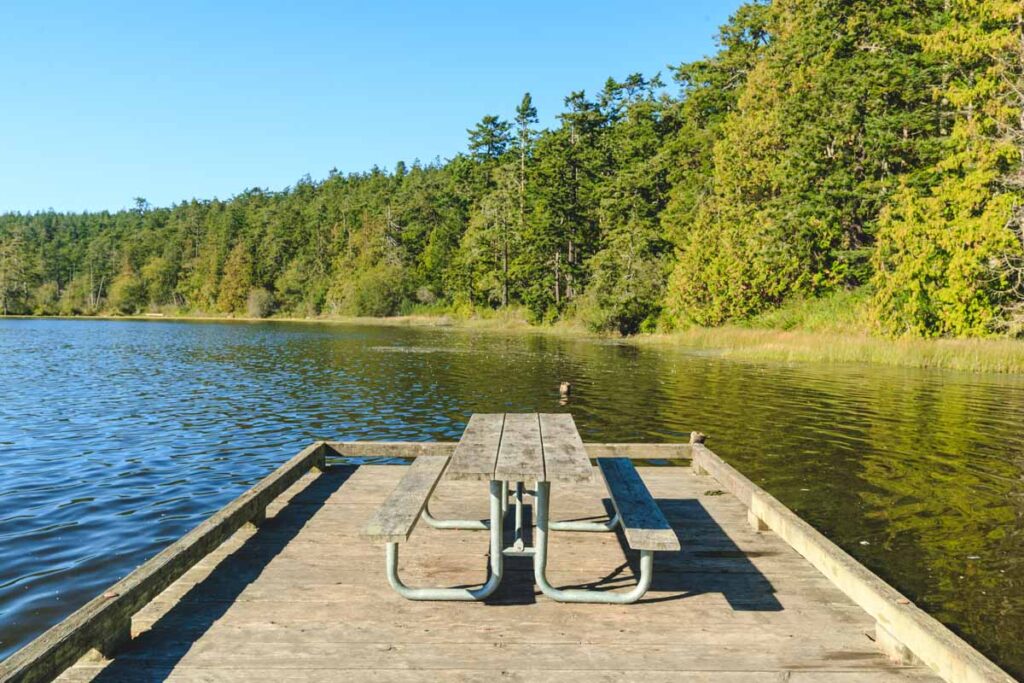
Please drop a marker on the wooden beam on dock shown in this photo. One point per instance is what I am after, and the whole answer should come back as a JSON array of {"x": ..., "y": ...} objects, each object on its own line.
[
  {"x": 901, "y": 625},
  {"x": 104, "y": 623},
  {"x": 415, "y": 449}
]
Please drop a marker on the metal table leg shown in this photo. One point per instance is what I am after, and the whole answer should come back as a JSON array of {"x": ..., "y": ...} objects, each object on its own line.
[
  {"x": 464, "y": 524},
  {"x": 586, "y": 526},
  {"x": 540, "y": 560},
  {"x": 498, "y": 490}
]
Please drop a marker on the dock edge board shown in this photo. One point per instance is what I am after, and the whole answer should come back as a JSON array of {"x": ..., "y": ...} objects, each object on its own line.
[
  {"x": 903, "y": 630},
  {"x": 104, "y": 623}
]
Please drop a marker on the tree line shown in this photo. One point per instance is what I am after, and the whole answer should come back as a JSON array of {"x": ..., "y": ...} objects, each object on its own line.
[{"x": 826, "y": 145}]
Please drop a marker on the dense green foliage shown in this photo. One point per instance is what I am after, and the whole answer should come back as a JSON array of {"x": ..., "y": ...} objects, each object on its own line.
[{"x": 829, "y": 145}]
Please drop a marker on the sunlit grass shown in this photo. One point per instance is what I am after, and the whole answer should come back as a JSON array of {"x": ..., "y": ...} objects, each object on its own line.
[{"x": 977, "y": 355}]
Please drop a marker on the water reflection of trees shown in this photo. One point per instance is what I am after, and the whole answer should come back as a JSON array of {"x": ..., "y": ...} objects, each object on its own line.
[{"x": 923, "y": 466}]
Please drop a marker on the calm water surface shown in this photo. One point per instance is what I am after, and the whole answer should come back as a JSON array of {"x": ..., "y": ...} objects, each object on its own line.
[{"x": 118, "y": 437}]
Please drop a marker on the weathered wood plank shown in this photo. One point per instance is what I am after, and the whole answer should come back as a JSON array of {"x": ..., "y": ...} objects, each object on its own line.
[
  {"x": 934, "y": 644},
  {"x": 253, "y": 674},
  {"x": 643, "y": 523},
  {"x": 564, "y": 654},
  {"x": 391, "y": 449},
  {"x": 520, "y": 457},
  {"x": 639, "y": 451},
  {"x": 396, "y": 517},
  {"x": 104, "y": 622},
  {"x": 477, "y": 451},
  {"x": 415, "y": 449},
  {"x": 565, "y": 458}
]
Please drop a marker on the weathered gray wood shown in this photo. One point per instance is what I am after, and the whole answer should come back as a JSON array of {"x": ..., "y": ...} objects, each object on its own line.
[
  {"x": 390, "y": 449},
  {"x": 475, "y": 456},
  {"x": 565, "y": 458},
  {"x": 241, "y": 673},
  {"x": 103, "y": 623},
  {"x": 520, "y": 456},
  {"x": 931, "y": 642},
  {"x": 643, "y": 523},
  {"x": 415, "y": 449},
  {"x": 396, "y": 517},
  {"x": 305, "y": 597},
  {"x": 639, "y": 451},
  {"x": 316, "y": 605}
]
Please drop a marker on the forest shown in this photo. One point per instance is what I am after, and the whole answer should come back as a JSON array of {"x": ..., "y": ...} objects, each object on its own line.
[{"x": 827, "y": 146}]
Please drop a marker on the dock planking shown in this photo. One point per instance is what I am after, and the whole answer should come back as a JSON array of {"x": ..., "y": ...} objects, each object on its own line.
[{"x": 304, "y": 597}]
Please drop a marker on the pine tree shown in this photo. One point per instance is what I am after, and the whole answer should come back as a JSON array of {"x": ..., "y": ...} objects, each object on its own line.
[
  {"x": 526, "y": 116},
  {"x": 489, "y": 139},
  {"x": 237, "y": 280}
]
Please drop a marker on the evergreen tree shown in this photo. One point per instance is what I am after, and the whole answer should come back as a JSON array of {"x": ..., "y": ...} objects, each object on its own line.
[
  {"x": 237, "y": 280},
  {"x": 951, "y": 250},
  {"x": 489, "y": 139}
]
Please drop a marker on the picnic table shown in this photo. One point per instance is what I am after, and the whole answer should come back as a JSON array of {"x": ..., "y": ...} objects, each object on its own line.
[{"x": 519, "y": 449}]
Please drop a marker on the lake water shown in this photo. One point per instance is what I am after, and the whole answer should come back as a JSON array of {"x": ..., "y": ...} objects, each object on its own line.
[{"x": 118, "y": 437}]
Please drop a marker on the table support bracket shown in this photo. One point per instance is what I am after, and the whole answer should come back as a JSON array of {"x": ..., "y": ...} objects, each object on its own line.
[
  {"x": 498, "y": 490},
  {"x": 540, "y": 560},
  {"x": 463, "y": 524}
]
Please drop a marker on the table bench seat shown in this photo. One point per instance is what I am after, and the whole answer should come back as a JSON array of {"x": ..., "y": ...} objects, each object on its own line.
[
  {"x": 395, "y": 519},
  {"x": 643, "y": 523}
]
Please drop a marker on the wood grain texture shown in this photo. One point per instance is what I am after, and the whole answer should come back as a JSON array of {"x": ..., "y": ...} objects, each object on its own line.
[
  {"x": 104, "y": 622},
  {"x": 475, "y": 455},
  {"x": 520, "y": 456},
  {"x": 905, "y": 622},
  {"x": 304, "y": 598},
  {"x": 396, "y": 517},
  {"x": 390, "y": 449},
  {"x": 565, "y": 458},
  {"x": 643, "y": 523},
  {"x": 415, "y": 449}
]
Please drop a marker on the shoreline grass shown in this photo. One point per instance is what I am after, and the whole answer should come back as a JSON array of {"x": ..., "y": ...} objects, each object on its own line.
[
  {"x": 756, "y": 343},
  {"x": 1005, "y": 356}
]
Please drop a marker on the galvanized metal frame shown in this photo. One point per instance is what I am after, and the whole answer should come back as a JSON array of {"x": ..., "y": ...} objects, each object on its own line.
[
  {"x": 499, "y": 493},
  {"x": 568, "y": 525},
  {"x": 498, "y": 490},
  {"x": 540, "y": 562},
  {"x": 464, "y": 524}
]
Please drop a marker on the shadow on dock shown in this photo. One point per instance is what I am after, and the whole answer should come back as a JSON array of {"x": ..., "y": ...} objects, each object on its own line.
[
  {"x": 717, "y": 566},
  {"x": 231, "y": 576},
  {"x": 709, "y": 562}
]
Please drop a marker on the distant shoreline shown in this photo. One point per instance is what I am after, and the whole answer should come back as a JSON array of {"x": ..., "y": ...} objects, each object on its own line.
[{"x": 1004, "y": 356}]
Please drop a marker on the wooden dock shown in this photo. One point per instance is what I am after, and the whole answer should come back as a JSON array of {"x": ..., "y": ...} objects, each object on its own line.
[{"x": 298, "y": 595}]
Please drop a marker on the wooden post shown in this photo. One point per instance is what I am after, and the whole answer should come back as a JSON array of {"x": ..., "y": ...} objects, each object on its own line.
[
  {"x": 893, "y": 648},
  {"x": 695, "y": 439},
  {"x": 258, "y": 517},
  {"x": 756, "y": 522}
]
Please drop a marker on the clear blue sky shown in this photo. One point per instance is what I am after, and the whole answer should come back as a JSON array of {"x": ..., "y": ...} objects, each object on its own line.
[{"x": 106, "y": 101}]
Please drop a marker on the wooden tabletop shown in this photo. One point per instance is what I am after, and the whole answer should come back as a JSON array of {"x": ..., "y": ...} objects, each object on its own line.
[{"x": 521, "y": 447}]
